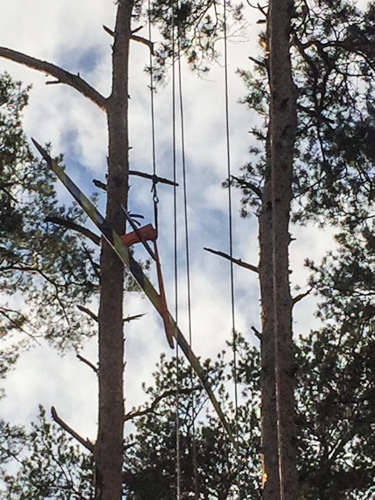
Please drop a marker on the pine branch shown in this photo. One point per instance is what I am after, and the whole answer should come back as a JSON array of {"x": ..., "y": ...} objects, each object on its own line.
[
  {"x": 68, "y": 223},
  {"x": 60, "y": 74},
  {"x": 84, "y": 442},
  {"x": 239, "y": 262},
  {"x": 95, "y": 265}
]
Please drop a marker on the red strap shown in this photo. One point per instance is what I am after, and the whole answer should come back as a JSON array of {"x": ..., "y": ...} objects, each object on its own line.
[{"x": 163, "y": 302}]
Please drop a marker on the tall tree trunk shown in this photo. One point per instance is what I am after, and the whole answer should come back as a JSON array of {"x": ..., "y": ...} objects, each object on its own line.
[
  {"x": 279, "y": 443},
  {"x": 109, "y": 445},
  {"x": 271, "y": 480}
]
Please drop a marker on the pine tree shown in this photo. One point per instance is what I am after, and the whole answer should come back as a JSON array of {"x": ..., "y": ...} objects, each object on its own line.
[{"x": 34, "y": 260}]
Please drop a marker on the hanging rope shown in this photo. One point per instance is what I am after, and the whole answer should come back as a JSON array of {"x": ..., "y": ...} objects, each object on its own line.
[
  {"x": 187, "y": 256},
  {"x": 175, "y": 256},
  {"x": 230, "y": 237}
]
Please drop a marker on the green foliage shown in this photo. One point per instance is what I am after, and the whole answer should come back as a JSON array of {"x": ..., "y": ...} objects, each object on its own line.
[
  {"x": 191, "y": 28},
  {"x": 345, "y": 279},
  {"x": 336, "y": 403},
  {"x": 333, "y": 69},
  {"x": 150, "y": 459},
  {"x": 43, "y": 267},
  {"x": 335, "y": 417},
  {"x": 53, "y": 468}
]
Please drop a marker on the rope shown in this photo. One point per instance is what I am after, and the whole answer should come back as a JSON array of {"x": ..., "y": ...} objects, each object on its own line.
[
  {"x": 230, "y": 235},
  {"x": 153, "y": 141},
  {"x": 156, "y": 201},
  {"x": 175, "y": 225},
  {"x": 187, "y": 256}
]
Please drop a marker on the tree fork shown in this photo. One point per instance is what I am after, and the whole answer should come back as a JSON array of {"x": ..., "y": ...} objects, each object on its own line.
[{"x": 109, "y": 445}]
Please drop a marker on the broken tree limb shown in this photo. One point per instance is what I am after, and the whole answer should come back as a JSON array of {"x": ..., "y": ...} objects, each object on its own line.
[
  {"x": 140, "y": 39},
  {"x": 109, "y": 31},
  {"x": 132, "y": 318},
  {"x": 84, "y": 442},
  {"x": 88, "y": 312},
  {"x": 301, "y": 296},
  {"x": 141, "y": 412},
  {"x": 60, "y": 74},
  {"x": 88, "y": 363},
  {"x": 76, "y": 227},
  {"x": 151, "y": 177},
  {"x": 257, "y": 333},
  {"x": 239, "y": 262},
  {"x": 249, "y": 185}
]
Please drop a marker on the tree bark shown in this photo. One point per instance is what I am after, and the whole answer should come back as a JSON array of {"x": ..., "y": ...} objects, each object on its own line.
[
  {"x": 109, "y": 445},
  {"x": 271, "y": 479},
  {"x": 282, "y": 135},
  {"x": 278, "y": 412}
]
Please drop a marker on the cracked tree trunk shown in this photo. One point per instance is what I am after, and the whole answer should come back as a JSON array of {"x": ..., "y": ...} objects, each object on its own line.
[
  {"x": 109, "y": 445},
  {"x": 278, "y": 412}
]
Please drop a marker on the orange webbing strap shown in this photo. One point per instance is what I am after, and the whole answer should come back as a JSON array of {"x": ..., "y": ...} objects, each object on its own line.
[{"x": 163, "y": 302}]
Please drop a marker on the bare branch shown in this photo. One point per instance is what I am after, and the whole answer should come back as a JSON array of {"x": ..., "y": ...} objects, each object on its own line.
[
  {"x": 95, "y": 265},
  {"x": 88, "y": 363},
  {"x": 257, "y": 333},
  {"x": 135, "y": 30},
  {"x": 100, "y": 184},
  {"x": 95, "y": 317},
  {"x": 131, "y": 318},
  {"x": 109, "y": 31},
  {"x": 60, "y": 74},
  {"x": 68, "y": 223},
  {"x": 301, "y": 296},
  {"x": 84, "y": 442},
  {"x": 259, "y": 63},
  {"x": 249, "y": 185},
  {"x": 88, "y": 312},
  {"x": 239, "y": 262},
  {"x": 139, "y": 413},
  {"x": 140, "y": 39},
  {"x": 155, "y": 178}
]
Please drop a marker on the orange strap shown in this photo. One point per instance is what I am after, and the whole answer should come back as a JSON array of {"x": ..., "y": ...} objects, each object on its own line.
[{"x": 163, "y": 302}]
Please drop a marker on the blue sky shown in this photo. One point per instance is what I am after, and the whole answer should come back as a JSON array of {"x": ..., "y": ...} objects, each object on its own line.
[{"x": 70, "y": 34}]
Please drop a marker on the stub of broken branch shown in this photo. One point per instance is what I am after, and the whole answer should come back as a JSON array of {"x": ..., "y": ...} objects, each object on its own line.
[
  {"x": 239, "y": 262},
  {"x": 84, "y": 442},
  {"x": 301, "y": 296},
  {"x": 88, "y": 363}
]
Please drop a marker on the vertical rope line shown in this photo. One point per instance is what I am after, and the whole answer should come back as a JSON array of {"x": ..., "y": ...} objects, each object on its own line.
[
  {"x": 152, "y": 95},
  {"x": 230, "y": 234},
  {"x": 175, "y": 243},
  {"x": 187, "y": 256}
]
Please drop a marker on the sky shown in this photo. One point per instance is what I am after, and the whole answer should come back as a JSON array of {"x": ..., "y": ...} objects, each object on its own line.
[{"x": 69, "y": 33}]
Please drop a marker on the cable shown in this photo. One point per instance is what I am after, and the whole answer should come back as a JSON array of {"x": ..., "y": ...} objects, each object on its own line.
[
  {"x": 230, "y": 235},
  {"x": 175, "y": 225},
  {"x": 187, "y": 256}
]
